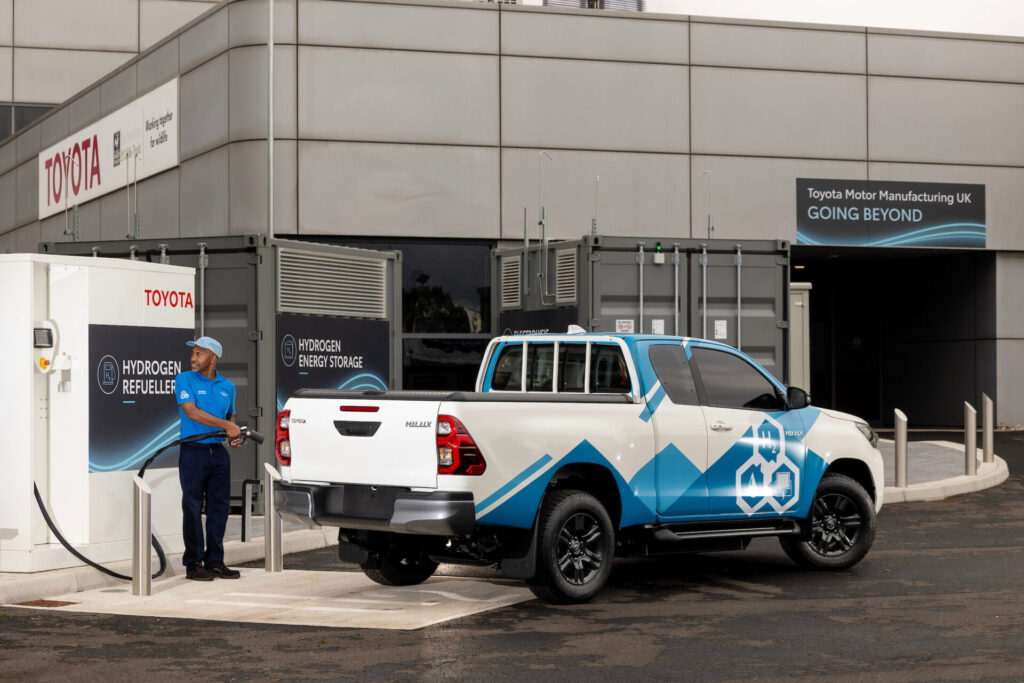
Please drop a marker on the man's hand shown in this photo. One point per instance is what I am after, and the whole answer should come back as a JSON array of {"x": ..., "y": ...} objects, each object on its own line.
[{"x": 234, "y": 434}]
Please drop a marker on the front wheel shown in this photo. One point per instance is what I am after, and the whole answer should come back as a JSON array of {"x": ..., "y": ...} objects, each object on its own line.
[
  {"x": 842, "y": 526},
  {"x": 397, "y": 567},
  {"x": 575, "y": 548}
]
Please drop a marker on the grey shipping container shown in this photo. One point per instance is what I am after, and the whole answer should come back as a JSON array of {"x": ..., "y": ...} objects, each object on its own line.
[
  {"x": 732, "y": 292},
  {"x": 290, "y": 315}
]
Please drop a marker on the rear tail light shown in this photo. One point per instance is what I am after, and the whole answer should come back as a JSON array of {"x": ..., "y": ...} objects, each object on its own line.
[
  {"x": 282, "y": 444},
  {"x": 457, "y": 453}
]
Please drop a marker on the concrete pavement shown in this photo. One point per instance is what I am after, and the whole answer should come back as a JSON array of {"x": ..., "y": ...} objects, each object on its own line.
[{"x": 935, "y": 471}]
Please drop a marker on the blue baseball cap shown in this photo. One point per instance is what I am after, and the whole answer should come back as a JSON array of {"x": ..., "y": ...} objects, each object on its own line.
[{"x": 208, "y": 343}]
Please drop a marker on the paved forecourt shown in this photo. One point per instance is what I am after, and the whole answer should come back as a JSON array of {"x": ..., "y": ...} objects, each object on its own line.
[{"x": 303, "y": 598}]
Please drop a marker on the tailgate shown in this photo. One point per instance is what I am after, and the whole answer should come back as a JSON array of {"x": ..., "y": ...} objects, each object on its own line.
[{"x": 393, "y": 446}]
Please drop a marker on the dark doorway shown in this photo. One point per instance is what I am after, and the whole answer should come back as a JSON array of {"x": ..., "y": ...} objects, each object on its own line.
[{"x": 893, "y": 328}]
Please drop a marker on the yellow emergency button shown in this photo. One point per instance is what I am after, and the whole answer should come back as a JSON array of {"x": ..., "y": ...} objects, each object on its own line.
[{"x": 43, "y": 363}]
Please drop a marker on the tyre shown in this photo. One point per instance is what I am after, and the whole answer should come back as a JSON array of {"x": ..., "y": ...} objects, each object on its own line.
[
  {"x": 841, "y": 526},
  {"x": 575, "y": 548},
  {"x": 398, "y": 567}
]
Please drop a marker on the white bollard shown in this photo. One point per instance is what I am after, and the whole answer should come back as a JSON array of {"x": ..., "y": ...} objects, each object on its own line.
[
  {"x": 988, "y": 421},
  {"x": 901, "y": 448},
  {"x": 970, "y": 440},
  {"x": 273, "y": 552},
  {"x": 142, "y": 538}
]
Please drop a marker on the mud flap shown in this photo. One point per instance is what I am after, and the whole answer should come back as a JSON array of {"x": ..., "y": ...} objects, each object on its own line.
[{"x": 526, "y": 566}]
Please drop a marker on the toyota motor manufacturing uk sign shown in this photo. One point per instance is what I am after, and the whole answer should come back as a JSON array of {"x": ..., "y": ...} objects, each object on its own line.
[
  {"x": 886, "y": 213},
  {"x": 138, "y": 140}
]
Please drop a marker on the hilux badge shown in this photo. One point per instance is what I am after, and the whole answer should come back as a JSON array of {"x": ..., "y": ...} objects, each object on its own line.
[{"x": 420, "y": 423}]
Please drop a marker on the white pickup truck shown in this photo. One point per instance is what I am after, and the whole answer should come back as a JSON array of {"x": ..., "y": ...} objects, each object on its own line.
[{"x": 576, "y": 448}]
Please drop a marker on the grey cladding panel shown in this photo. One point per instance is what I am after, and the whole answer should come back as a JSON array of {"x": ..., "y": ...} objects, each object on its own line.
[
  {"x": 765, "y": 47},
  {"x": 247, "y": 22},
  {"x": 27, "y": 201},
  {"x": 1009, "y": 285},
  {"x": 775, "y": 113},
  {"x": 331, "y": 284},
  {"x": 8, "y": 156},
  {"x": 204, "y": 108},
  {"x": 582, "y": 36},
  {"x": 640, "y": 194},
  {"x": 1010, "y": 395},
  {"x": 249, "y": 187},
  {"x": 398, "y": 190},
  {"x": 53, "y": 128},
  {"x": 946, "y": 121},
  {"x": 27, "y": 239},
  {"x": 248, "y": 92},
  {"x": 436, "y": 98},
  {"x": 159, "y": 205},
  {"x": 8, "y": 192},
  {"x": 7, "y": 243},
  {"x": 84, "y": 109},
  {"x": 27, "y": 143},
  {"x": 157, "y": 67},
  {"x": 118, "y": 90},
  {"x": 890, "y": 55},
  {"x": 403, "y": 27},
  {"x": 753, "y": 197},
  {"x": 593, "y": 105},
  {"x": 204, "y": 195},
  {"x": 206, "y": 39}
]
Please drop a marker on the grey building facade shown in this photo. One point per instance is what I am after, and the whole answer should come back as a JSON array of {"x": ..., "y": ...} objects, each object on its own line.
[{"x": 422, "y": 125}]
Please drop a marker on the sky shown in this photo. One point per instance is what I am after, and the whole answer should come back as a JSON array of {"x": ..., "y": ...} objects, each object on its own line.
[{"x": 991, "y": 17}]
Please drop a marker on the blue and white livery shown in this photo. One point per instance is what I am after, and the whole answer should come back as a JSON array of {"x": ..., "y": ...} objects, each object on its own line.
[{"x": 573, "y": 449}]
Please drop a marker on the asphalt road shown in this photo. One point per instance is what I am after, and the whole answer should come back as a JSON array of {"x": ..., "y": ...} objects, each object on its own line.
[{"x": 938, "y": 598}]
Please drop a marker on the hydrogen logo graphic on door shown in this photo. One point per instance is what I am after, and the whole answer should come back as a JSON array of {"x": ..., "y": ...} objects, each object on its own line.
[{"x": 768, "y": 478}]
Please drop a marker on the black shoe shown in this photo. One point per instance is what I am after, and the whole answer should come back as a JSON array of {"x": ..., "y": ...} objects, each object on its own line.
[
  {"x": 222, "y": 571},
  {"x": 198, "y": 572}
]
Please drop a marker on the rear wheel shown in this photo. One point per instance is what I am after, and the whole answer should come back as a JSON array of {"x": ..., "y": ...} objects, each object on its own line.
[
  {"x": 399, "y": 567},
  {"x": 575, "y": 548},
  {"x": 842, "y": 526}
]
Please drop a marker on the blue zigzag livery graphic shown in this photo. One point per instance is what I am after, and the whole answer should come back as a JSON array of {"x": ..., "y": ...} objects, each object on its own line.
[
  {"x": 947, "y": 235},
  {"x": 685, "y": 493}
]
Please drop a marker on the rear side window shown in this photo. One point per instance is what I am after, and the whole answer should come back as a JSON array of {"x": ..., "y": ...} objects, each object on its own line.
[
  {"x": 608, "y": 373},
  {"x": 731, "y": 382},
  {"x": 508, "y": 371},
  {"x": 673, "y": 370},
  {"x": 572, "y": 367}
]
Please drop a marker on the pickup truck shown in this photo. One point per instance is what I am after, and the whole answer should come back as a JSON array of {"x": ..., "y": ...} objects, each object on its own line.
[{"x": 576, "y": 448}]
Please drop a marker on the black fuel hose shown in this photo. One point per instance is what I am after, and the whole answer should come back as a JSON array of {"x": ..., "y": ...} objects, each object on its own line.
[{"x": 246, "y": 434}]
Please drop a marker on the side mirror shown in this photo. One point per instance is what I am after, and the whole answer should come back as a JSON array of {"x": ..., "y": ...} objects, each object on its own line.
[{"x": 797, "y": 398}]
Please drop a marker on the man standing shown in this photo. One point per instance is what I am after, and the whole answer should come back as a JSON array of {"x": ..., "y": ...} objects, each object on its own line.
[{"x": 206, "y": 402}]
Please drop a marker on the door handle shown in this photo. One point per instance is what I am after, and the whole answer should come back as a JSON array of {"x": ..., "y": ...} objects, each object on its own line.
[{"x": 721, "y": 426}]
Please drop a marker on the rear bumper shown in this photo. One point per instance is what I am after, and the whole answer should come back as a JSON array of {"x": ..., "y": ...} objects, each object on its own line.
[{"x": 381, "y": 508}]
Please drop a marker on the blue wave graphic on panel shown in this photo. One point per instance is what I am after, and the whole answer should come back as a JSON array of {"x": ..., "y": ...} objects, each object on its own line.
[
  {"x": 360, "y": 382},
  {"x": 139, "y": 456},
  {"x": 949, "y": 235}
]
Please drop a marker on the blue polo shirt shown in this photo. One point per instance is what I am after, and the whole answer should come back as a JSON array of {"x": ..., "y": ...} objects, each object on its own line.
[{"x": 216, "y": 397}]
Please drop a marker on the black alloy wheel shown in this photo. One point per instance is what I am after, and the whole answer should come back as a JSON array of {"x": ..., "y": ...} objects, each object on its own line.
[
  {"x": 840, "y": 528},
  {"x": 575, "y": 547}
]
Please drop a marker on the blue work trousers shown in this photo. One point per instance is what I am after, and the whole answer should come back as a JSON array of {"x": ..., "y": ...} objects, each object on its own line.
[{"x": 205, "y": 472}]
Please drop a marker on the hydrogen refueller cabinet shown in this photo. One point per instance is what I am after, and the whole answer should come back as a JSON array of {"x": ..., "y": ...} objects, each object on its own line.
[
  {"x": 733, "y": 292},
  {"x": 290, "y": 314},
  {"x": 89, "y": 348}
]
